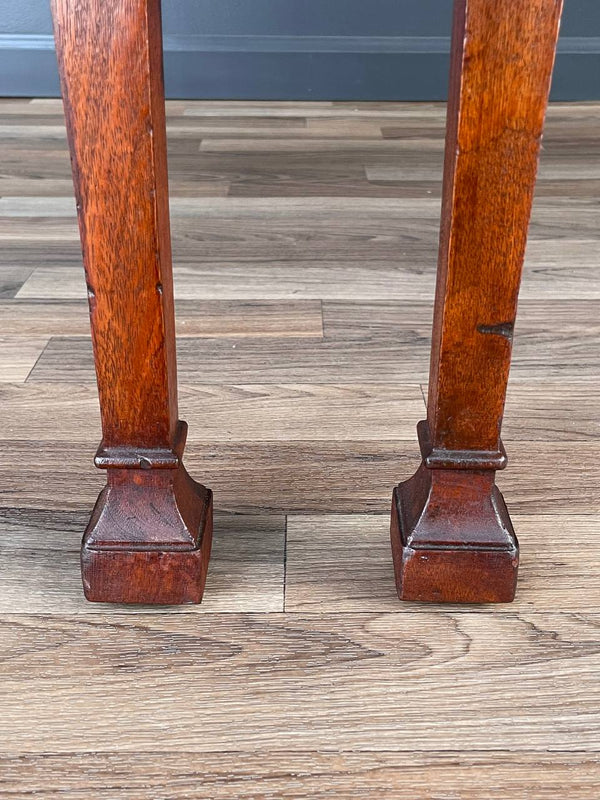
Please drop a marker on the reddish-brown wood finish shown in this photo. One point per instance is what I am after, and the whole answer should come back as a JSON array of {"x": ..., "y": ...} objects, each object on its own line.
[
  {"x": 148, "y": 540},
  {"x": 452, "y": 539}
]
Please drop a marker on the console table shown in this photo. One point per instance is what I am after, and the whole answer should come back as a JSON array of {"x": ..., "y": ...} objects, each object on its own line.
[{"x": 149, "y": 537}]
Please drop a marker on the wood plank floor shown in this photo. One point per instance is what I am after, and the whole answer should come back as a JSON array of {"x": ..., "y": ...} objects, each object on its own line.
[{"x": 304, "y": 239}]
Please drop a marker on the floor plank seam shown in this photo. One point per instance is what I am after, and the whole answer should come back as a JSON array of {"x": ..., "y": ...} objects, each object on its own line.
[
  {"x": 37, "y": 360},
  {"x": 304, "y": 298}
]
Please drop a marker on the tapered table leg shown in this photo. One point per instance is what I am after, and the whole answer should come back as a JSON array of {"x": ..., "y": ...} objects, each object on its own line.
[
  {"x": 452, "y": 538},
  {"x": 149, "y": 537}
]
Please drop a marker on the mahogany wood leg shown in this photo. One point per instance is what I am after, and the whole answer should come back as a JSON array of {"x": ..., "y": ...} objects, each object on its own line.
[
  {"x": 452, "y": 538},
  {"x": 149, "y": 537}
]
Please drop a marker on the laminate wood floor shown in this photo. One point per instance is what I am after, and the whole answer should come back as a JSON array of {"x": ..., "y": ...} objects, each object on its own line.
[{"x": 304, "y": 238}]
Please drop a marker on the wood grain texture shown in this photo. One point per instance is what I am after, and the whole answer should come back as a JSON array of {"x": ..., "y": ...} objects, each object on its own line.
[
  {"x": 17, "y": 358},
  {"x": 122, "y": 196},
  {"x": 376, "y": 342},
  {"x": 549, "y": 172},
  {"x": 211, "y": 319},
  {"x": 149, "y": 536},
  {"x": 41, "y": 552},
  {"x": 222, "y": 413},
  {"x": 307, "y": 477},
  {"x": 317, "y": 145},
  {"x": 512, "y": 690},
  {"x": 303, "y": 775},
  {"x": 340, "y": 563},
  {"x": 298, "y": 683},
  {"x": 416, "y": 218},
  {"x": 11, "y": 280},
  {"x": 493, "y": 140},
  {"x": 555, "y": 269},
  {"x": 269, "y": 412},
  {"x": 451, "y": 533}
]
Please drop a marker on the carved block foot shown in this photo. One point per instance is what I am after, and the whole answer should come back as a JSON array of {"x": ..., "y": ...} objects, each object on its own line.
[
  {"x": 149, "y": 539},
  {"x": 452, "y": 538}
]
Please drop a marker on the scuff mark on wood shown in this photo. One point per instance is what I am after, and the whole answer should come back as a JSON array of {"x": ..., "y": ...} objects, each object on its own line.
[{"x": 504, "y": 329}]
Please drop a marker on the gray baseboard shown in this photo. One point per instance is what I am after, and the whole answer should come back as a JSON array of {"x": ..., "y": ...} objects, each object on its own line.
[{"x": 298, "y": 67}]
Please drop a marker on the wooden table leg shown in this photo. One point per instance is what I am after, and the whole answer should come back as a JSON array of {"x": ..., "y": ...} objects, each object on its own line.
[
  {"x": 452, "y": 538},
  {"x": 149, "y": 537}
]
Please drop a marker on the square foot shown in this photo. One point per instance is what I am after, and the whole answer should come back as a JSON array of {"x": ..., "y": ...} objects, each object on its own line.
[
  {"x": 456, "y": 574},
  {"x": 149, "y": 575}
]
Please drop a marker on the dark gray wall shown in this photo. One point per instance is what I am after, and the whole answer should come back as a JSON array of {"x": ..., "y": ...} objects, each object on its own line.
[{"x": 298, "y": 49}]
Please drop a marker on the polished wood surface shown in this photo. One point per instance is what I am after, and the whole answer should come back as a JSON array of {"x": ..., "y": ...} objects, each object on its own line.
[
  {"x": 300, "y": 669},
  {"x": 452, "y": 537},
  {"x": 149, "y": 536}
]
